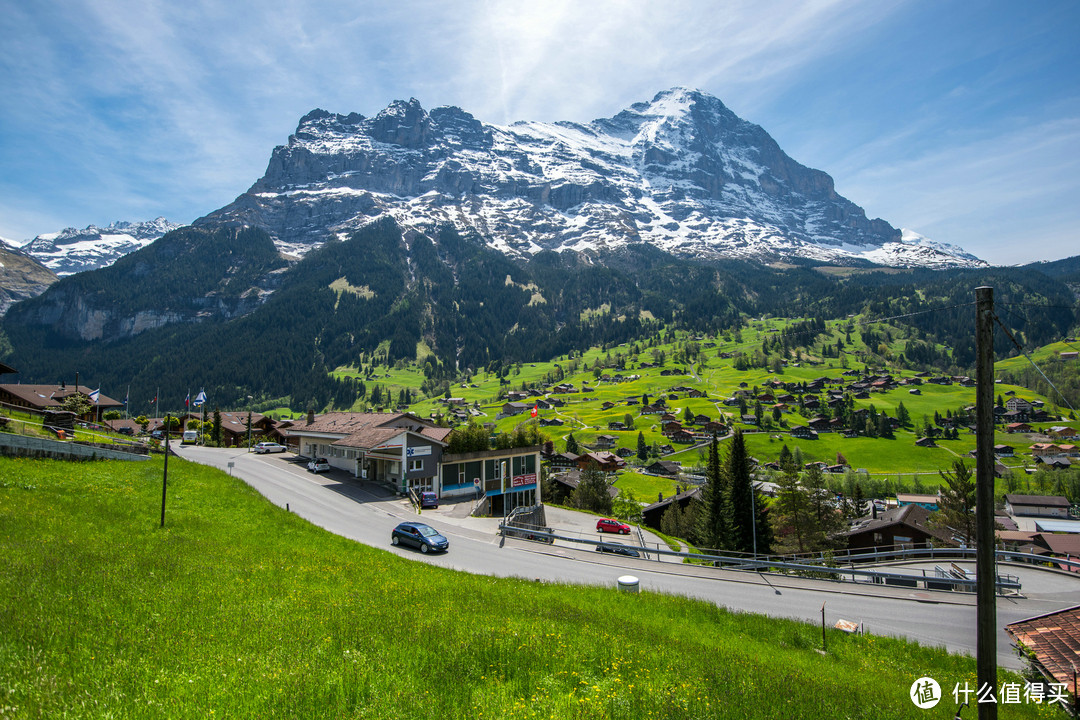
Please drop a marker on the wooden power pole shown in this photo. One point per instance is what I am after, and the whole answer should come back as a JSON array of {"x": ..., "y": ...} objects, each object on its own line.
[{"x": 985, "y": 571}]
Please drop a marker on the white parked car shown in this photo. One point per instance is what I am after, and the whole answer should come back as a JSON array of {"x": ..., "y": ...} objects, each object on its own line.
[
  {"x": 318, "y": 465},
  {"x": 269, "y": 447}
]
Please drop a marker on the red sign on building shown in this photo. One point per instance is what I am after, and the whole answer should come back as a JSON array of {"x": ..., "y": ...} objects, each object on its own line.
[{"x": 519, "y": 480}]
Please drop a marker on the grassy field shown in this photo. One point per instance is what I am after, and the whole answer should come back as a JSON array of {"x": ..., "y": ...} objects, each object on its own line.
[{"x": 238, "y": 609}]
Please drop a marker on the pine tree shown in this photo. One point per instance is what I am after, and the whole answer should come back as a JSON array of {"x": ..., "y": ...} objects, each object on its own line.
[
  {"x": 572, "y": 444},
  {"x": 642, "y": 448},
  {"x": 787, "y": 460},
  {"x": 713, "y": 519},
  {"x": 902, "y": 415},
  {"x": 826, "y": 521},
  {"x": 592, "y": 491},
  {"x": 740, "y": 489},
  {"x": 791, "y": 514},
  {"x": 957, "y": 501},
  {"x": 216, "y": 432}
]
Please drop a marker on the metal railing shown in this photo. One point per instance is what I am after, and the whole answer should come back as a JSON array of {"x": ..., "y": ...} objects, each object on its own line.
[{"x": 1003, "y": 583}]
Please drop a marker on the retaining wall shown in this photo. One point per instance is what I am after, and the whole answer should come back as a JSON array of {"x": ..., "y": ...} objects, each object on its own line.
[{"x": 24, "y": 446}]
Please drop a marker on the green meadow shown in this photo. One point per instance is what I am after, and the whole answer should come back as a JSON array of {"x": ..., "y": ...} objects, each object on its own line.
[
  {"x": 238, "y": 609},
  {"x": 699, "y": 365}
]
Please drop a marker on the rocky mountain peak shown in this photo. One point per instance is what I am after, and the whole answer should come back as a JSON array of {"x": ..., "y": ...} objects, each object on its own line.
[{"x": 681, "y": 172}]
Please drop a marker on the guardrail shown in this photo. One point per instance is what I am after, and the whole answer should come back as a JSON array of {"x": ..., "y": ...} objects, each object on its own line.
[
  {"x": 1003, "y": 583},
  {"x": 932, "y": 553}
]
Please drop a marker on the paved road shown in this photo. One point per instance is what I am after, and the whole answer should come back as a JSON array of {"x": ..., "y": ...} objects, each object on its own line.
[{"x": 366, "y": 512}]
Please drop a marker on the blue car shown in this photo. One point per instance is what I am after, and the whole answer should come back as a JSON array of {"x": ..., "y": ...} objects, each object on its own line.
[
  {"x": 618, "y": 549},
  {"x": 419, "y": 535}
]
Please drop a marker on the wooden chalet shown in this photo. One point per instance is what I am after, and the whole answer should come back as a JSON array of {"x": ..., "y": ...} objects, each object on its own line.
[
  {"x": 651, "y": 515},
  {"x": 39, "y": 398},
  {"x": 905, "y": 527}
]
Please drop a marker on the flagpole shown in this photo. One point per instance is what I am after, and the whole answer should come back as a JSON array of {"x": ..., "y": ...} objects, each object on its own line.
[{"x": 127, "y": 399}]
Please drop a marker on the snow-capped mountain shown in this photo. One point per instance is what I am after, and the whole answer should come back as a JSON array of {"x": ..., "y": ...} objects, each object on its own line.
[
  {"x": 70, "y": 251},
  {"x": 681, "y": 172}
]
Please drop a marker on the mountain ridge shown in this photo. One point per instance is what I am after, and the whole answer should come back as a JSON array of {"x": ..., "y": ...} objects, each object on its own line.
[
  {"x": 681, "y": 172},
  {"x": 70, "y": 250}
]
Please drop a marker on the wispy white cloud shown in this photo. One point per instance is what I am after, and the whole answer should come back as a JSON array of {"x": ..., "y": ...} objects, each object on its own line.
[{"x": 122, "y": 109}]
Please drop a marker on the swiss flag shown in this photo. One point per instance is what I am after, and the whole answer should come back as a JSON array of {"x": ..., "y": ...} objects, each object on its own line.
[{"x": 534, "y": 410}]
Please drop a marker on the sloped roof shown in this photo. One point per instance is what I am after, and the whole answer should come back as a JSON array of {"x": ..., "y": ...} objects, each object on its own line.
[
  {"x": 51, "y": 396},
  {"x": 913, "y": 516},
  {"x": 366, "y": 430},
  {"x": 1054, "y": 638},
  {"x": 1039, "y": 500},
  {"x": 686, "y": 494},
  {"x": 1062, "y": 544}
]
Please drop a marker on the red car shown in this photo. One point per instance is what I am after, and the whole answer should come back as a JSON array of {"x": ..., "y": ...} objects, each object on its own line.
[{"x": 612, "y": 526}]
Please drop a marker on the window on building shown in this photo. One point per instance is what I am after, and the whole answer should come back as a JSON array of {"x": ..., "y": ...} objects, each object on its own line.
[{"x": 416, "y": 465}]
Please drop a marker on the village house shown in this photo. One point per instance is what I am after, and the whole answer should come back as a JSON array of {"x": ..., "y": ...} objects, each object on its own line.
[
  {"x": 1054, "y": 462},
  {"x": 1044, "y": 449},
  {"x": 684, "y": 437},
  {"x": 903, "y": 527},
  {"x": 565, "y": 483},
  {"x": 399, "y": 449},
  {"x": 664, "y": 467},
  {"x": 928, "y": 502},
  {"x": 514, "y": 408},
  {"x": 651, "y": 515},
  {"x": 1051, "y": 506},
  {"x": 39, "y": 398},
  {"x": 563, "y": 460},
  {"x": 715, "y": 428},
  {"x": 606, "y": 461},
  {"x": 1060, "y": 432},
  {"x": 670, "y": 427}
]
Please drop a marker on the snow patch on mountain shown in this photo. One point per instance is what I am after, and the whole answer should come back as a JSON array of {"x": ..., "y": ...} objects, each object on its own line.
[
  {"x": 70, "y": 250},
  {"x": 681, "y": 172}
]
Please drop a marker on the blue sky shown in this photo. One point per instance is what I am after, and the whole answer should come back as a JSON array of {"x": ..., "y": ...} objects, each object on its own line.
[{"x": 958, "y": 120}]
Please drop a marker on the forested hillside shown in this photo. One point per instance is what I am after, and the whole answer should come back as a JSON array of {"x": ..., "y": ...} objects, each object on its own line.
[{"x": 230, "y": 315}]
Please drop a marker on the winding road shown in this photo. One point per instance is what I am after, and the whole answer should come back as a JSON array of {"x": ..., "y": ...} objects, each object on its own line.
[{"x": 366, "y": 512}]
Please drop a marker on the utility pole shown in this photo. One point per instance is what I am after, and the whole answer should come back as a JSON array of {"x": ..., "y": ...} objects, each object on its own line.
[
  {"x": 985, "y": 572},
  {"x": 165, "y": 474}
]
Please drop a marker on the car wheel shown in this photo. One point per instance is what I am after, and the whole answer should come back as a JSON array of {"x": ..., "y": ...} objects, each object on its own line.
[
  {"x": 394, "y": 540},
  {"x": 424, "y": 548}
]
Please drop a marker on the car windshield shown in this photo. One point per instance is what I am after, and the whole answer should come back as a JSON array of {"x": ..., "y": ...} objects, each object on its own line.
[{"x": 427, "y": 531}]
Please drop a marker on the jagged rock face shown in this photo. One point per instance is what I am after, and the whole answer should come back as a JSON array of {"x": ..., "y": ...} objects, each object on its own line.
[
  {"x": 681, "y": 172},
  {"x": 70, "y": 251},
  {"x": 21, "y": 277}
]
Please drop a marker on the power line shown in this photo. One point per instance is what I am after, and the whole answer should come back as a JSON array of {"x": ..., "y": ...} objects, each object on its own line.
[{"x": 1030, "y": 360}]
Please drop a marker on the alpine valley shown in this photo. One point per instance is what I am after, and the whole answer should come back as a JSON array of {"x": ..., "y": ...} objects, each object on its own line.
[{"x": 432, "y": 236}]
